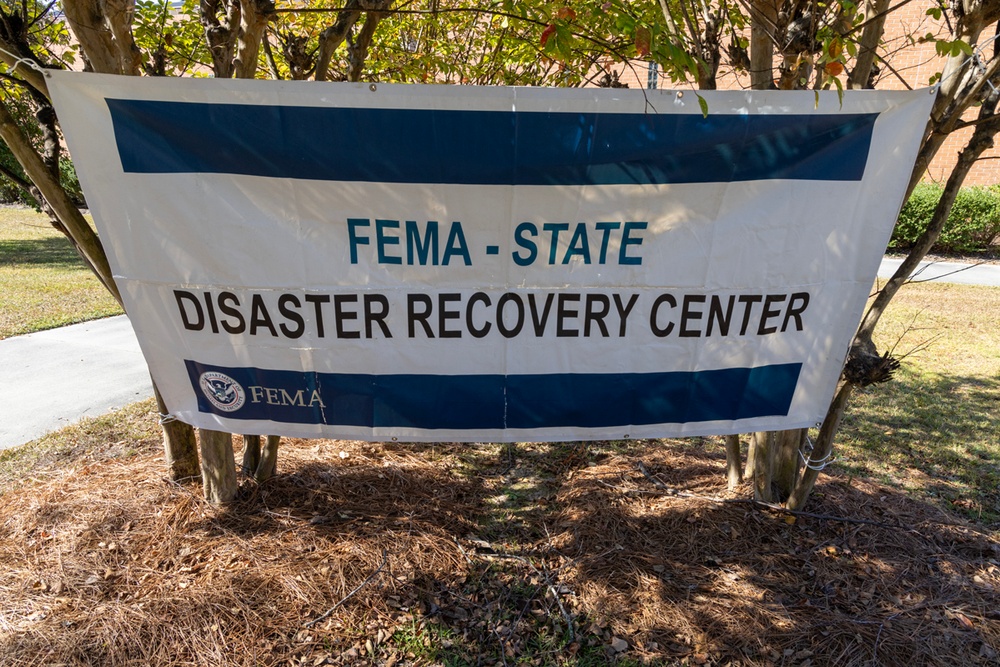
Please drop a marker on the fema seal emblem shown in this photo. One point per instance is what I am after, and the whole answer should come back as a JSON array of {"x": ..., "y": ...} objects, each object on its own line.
[{"x": 222, "y": 391}]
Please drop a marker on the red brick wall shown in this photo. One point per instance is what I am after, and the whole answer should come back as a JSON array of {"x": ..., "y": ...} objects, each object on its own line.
[{"x": 911, "y": 63}]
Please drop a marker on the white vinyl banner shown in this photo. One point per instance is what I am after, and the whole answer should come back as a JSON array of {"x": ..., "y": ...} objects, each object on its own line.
[{"x": 489, "y": 264}]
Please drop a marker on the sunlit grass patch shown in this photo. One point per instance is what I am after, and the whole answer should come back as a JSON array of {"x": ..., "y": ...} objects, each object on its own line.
[
  {"x": 43, "y": 282},
  {"x": 935, "y": 429}
]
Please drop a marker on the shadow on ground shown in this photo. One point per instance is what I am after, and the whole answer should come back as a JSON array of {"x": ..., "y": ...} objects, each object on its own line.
[
  {"x": 52, "y": 251},
  {"x": 934, "y": 435},
  {"x": 555, "y": 554}
]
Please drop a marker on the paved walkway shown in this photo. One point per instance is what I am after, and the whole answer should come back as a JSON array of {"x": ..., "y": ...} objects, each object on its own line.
[
  {"x": 54, "y": 378},
  {"x": 946, "y": 272}
]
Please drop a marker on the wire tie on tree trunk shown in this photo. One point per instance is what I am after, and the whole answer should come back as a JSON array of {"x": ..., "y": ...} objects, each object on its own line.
[
  {"x": 166, "y": 418},
  {"x": 977, "y": 62},
  {"x": 30, "y": 62},
  {"x": 819, "y": 464}
]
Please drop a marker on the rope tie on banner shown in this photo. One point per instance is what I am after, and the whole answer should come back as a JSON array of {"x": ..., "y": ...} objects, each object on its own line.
[
  {"x": 166, "y": 418},
  {"x": 977, "y": 62},
  {"x": 819, "y": 464},
  {"x": 30, "y": 62}
]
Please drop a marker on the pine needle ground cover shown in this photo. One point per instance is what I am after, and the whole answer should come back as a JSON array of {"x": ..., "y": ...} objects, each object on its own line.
[
  {"x": 446, "y": 554},
  {"x": 43, "y": 282}
]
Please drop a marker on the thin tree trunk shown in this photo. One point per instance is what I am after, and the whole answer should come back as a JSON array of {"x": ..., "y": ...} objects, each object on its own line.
[
  {"x": 69, "y": 216},
  {"x": 822, "y": 448},
  {"x": 734, "y": 471},
  {"x": 255, "y": 15},
  {"x": 763, "y": 464},
  {"x": 868, "y": 43},
  {"x": 251, "y": 454},
  {"x": 218, "y": 466},
  {"x": 180, "y": 450},
  {"x": 331, "y": 38},
  {"x": 358, "y": 52},
  {"x": 751, "y": 463},
  {"x": 787, "y": 462},
  {"x": 763, "y": 20},
  {"x": 268, "y": 465}
]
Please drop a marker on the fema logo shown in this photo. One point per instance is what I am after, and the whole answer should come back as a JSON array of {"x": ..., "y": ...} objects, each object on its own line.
[{"x": 222, "y": 391}]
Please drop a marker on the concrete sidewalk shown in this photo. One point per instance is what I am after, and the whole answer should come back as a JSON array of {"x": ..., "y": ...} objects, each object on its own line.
[
  {"x": 946, "y": 272},
  {"x": 54, "y": 378}
]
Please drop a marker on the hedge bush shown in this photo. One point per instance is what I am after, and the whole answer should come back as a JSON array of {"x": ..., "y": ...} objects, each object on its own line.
[{"x": 973, "y": 225}]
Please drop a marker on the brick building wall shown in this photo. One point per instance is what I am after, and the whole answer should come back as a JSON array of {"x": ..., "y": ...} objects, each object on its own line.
[{"x": 909, "y": 65}]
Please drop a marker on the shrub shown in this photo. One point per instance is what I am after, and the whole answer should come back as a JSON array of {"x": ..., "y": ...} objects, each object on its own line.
[{"x": 973, "y": 225}]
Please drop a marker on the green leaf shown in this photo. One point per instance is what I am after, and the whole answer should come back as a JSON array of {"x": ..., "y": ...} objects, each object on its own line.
[
  {"x": 703, "y": 103},
  {"x": 840, "y": 90}
]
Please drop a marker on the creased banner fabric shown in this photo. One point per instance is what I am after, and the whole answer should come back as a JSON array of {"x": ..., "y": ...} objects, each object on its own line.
[{"x": 489, "y": 264}]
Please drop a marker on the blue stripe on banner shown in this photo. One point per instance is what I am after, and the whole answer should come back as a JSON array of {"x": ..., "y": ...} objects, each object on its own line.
[
  {"x": 486, "y": 147},
  {"x": 467, "y": 402}
]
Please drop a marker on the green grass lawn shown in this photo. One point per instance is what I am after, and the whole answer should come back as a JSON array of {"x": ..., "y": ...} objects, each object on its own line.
[
  {"x": 43, "y": 282},
  {"x": 935, "y": 429}
]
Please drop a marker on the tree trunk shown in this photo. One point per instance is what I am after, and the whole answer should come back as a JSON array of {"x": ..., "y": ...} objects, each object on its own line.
[
  {"x": 763, "y": 465},
  {"x": 763, "y": 24},
  {"x": 331, "y": 38},
  {"x": 734, "y": 472},
  {"x": 255, "y": 15},
  {"x": 86, "y": 20},
  {"x": 861, "y": 75},
  {"x": 787, "y": 461},
  {"x": 218, "y": 466},
  {"x": 268, "y": 465},
  {"x": 251, "y": 454},
  {"x": 358, "y": 51},
  {"x": 822, "y": 448},
  {"x": 751, "y": 463},
  {"x": 221, "y": 34},
  {"x": 180, "y": 451}
]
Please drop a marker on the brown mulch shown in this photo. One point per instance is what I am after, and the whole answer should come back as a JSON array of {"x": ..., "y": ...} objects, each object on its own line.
[{"x": 554, "y": 554}]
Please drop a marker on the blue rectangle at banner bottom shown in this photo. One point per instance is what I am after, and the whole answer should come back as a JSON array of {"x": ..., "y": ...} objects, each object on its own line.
[{"x": 493, "y": 402}]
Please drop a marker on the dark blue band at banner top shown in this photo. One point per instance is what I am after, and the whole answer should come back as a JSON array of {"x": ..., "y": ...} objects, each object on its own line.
[
  {"x": 471, "y": 402},
  {"x": 486, "y": 147}
]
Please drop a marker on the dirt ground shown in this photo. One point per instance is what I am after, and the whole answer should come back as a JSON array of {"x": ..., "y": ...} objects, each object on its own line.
[{"x": 554, "y": 554}]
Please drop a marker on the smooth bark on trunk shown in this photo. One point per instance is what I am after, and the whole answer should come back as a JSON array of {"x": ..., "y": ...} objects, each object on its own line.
[
  {"x": 180, "y": 449},
  {"x": 751, "y": 462},
  {"x": 358, "y": 51},
  {"x": 218, "y": 466},
  {"x": 861, "y": 75},
  {"x": 734, "y": 471},
  {"x": 86, "y": 20},
  {"x": 822, "y": 449},
  {"x": 787, "y": 462},
  {"x": 763, "y": 464},
  {"x": 268, "y": 465},
  {"x": 331, "y": 38},
  {"x": 763, "y": 25},
  {"x": 251, "y": 454}
]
